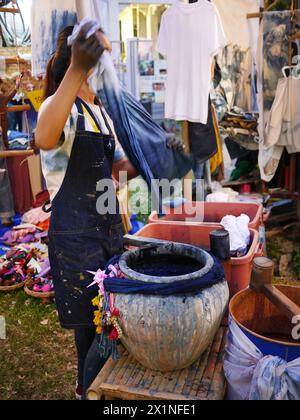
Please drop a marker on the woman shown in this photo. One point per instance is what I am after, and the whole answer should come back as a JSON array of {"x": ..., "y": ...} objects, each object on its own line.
[{"x": 78, "y": 151}]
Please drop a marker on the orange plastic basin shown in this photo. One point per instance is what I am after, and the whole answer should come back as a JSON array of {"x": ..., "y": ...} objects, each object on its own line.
[
  {"x": 210, "y": 214},
  {"x": 198, "y": 235}
]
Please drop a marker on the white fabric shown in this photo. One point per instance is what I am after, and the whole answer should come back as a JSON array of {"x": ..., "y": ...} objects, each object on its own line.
[
  {"x": 283, "y": 127},
  {"x": 239, "y": 233},
  {"x": 94, "y": 28},
  {"x": 238, "y": 29},
  {"x": 190, "y": 36},
  {"x": 251, "y": 376}
]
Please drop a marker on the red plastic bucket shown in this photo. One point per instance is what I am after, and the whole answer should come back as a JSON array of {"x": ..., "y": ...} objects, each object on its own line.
[
  {"x": 211, "y": 214},
  {"x": 198, "y": 235}
]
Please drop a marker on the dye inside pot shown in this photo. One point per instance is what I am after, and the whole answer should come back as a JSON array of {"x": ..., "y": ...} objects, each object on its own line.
[
  {"x": 265, "y": 324},
  {"x": 166, "y": 265}
]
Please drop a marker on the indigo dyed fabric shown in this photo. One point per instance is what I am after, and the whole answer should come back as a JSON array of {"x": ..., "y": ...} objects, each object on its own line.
[
  {"x": 125, "y": 286},
  {"x": 48, "y": 19},
  {"x": 144, "y": 141}
]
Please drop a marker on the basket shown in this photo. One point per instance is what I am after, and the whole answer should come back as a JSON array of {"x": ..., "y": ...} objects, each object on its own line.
[
  {"x": 12, "y": 288},
  {"x": 38, "y": 295}
]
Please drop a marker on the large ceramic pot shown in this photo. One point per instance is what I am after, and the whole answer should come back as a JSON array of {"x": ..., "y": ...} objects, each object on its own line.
[{"x": 170, "y": 333}]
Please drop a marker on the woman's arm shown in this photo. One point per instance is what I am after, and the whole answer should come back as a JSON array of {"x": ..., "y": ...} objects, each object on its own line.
[
  {"x": 124, "y": 165},
  {"x": 53, "y": 118}
]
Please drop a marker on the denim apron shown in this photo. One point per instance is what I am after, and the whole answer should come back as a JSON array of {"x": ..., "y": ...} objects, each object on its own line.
[{"x": 80, "y": 239}]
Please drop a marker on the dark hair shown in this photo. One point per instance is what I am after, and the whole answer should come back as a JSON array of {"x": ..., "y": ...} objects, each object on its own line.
[{"x": 58, "y": 63}]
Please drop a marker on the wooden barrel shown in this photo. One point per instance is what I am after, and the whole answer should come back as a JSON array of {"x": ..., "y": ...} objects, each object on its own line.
[
  {"x": 265, "y": 325},
  {"x": 171, "y": 332}
]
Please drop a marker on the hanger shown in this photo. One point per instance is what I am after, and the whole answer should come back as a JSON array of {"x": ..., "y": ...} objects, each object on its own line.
[{"x": 295, "y": 70}]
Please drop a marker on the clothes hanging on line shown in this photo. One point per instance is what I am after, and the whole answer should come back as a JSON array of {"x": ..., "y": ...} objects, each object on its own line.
[
  {"x": 50, "y": 17},
  {"x": 283, "y": 128},
  {"x": 203, "y": 139},
  {"x": 236, "y": 82},
  {"x": 190, "y": 36}
]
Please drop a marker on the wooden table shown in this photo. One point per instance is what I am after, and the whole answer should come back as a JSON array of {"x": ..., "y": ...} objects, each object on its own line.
[{"x": 126, "y": 379}]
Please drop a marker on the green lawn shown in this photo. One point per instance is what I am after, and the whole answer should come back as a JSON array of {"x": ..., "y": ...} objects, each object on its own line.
[{"x": 37, "y": 359}]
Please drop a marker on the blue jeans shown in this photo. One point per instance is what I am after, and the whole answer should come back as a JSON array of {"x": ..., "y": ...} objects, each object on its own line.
[{"x": 90, "y": 362}]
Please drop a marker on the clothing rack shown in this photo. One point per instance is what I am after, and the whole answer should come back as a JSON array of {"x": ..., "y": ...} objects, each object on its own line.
[{"x": 294, "y": 168}]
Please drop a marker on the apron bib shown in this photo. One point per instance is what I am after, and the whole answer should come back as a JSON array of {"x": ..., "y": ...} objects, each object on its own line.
[{"x": 81, "y": 239}]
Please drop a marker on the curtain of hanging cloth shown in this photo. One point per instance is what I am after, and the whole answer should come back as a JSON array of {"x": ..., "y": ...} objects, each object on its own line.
[
  {"x": 50, "y": 17},
  {"x": 273, "y": 55}
]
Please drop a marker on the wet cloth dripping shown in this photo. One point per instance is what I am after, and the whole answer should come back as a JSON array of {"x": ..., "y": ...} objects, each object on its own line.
[{"x": 144, "y": 141}]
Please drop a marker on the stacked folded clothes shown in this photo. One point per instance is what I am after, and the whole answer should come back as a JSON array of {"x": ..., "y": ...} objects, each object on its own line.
[{"x": 18, "y": 140}]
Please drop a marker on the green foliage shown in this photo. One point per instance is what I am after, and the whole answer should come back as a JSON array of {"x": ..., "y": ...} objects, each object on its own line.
[
  {"x": 283, "y": 5},
  {"x": 296, "y": 263}
]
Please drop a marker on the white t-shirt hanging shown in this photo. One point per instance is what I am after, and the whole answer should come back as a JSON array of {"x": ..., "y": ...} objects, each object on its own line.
[{"x": 190, "y": 35}]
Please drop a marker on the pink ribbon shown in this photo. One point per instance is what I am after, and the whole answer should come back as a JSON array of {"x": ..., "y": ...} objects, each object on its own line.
[{"x": 99, "y": 278}]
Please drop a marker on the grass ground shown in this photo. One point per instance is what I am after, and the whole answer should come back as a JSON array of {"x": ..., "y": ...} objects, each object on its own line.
[{"x": 37, "y": 359}]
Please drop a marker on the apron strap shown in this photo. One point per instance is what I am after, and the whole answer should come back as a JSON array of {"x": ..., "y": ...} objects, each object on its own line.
[
  {"x": 80, "y": 103},
  {"x": 80, "y": 119}
]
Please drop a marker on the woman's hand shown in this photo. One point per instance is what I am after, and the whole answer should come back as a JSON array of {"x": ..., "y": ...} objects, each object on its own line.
[{"x": 86, "y": 52}]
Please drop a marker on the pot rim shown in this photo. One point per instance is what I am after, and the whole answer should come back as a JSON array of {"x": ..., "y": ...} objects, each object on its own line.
[
  {"x": 261, "y": 337},
  {"x": 135, "y": 275}
]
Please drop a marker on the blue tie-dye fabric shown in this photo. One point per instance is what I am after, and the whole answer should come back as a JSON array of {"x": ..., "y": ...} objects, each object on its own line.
[
  {"x": 142, "y": 139},
  {"x": 253, "y": 376},
  {"x": 48, "y": 19}
]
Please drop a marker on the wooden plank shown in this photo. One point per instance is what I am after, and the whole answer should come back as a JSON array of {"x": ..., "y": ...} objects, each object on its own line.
[
  {"x": 193, "y": 372},
  {"x": 211, "y": 366},
  {"x": 217, "y": 391},
  {"x": 18, "y": 108},
  {"x": 126, "y": 393},
  {"x": 16, "y": 60},
  {"x": 94, "y": 393},
  {"x": 9, "y": 10},
  {"x": 113, "y": 374},
  {"x": 15, "y": 153},
  {"x": 128, "y": 375},
  {"x": 126, "y": 379},
  {"x": 199, "y": 373},
  {"x": 281, "y": 301}
]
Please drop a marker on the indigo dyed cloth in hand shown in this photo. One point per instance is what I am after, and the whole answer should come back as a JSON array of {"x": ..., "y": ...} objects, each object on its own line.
[{"x": 144, "y": 141}]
